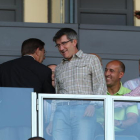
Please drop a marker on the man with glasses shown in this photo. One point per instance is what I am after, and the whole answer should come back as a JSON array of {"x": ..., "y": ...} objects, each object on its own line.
[{"x": 78, "y": 73}]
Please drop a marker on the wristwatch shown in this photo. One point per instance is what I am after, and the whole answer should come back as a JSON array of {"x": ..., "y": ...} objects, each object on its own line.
[{"x": 120, "y": 121}]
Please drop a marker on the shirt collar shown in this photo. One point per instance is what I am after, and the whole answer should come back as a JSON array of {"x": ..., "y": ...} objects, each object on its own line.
[
  {"x": 118, "y": 92},
  {"x": 29, "y": 55},
  {"x": 79, "y": 54}
]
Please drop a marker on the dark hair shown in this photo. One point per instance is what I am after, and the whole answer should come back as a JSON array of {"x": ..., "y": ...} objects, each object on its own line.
[
  {"x": 29, "y": 46},
  {"x": 36, "y": 138},
  {"x": 70, "y": 33},
  {"x": 122, "y": 66}
]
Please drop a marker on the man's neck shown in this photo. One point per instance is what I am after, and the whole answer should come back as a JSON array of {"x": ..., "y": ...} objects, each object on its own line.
[
  {"x": 113, "y": 89},
  {"x": 29, "y": 55}
]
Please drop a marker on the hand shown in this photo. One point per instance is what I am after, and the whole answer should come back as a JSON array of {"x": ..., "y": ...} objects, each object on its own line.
[
  {"x": 49, "y": 129},
  {"x": 89, "y": 112},
  {"x": 116, "y": 123},
  {"x": 137, "y": 16}
]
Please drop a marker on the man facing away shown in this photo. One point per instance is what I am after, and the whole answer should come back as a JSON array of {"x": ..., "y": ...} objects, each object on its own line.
[
  {"x": 28, "y": 71},
  {"x": 125, "y": 118},
  {"x": 78, "y": 73}
]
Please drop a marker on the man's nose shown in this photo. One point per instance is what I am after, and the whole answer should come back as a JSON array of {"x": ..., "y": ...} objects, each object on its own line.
[
  {"x": 107, "y": 73},
  {"x": 61, "y": 47}
]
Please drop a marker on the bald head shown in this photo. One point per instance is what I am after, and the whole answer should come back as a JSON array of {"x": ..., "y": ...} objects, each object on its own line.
[
  {"x": 114, "y": 71},
  {"x": 118, "y": 63}
]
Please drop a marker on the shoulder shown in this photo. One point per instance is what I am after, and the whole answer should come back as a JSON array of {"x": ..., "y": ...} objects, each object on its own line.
[
  {"x": 132, "y": 84},
  {"x": 59, "y": 66},
  {"x": 10, "y": 62},
  {"x": 132, "y": 109},
  {"x": 125, "y": 90},
  {"x": 43, "y": 67},
  {"x": 132, "y": 80},
  {"x": 89, "y": 59},
  {"x": 90, "y": 56}
]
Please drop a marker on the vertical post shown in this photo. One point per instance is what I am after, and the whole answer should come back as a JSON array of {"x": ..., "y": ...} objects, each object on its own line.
[
  {"x": 109, "y": 118},
  {"x": 34, "y": 114}
]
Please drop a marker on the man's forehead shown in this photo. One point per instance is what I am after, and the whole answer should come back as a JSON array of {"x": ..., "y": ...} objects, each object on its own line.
[
  {"x": 112, "y": 66},
  {"x": 62, "y": 38}
]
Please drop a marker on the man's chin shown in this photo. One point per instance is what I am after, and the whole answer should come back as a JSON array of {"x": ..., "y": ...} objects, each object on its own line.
[{"x": 108, "y": 85}]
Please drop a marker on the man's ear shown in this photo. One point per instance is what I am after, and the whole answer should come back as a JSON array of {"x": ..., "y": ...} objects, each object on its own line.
[
  {"x": 121, "y": 74},
  {"x": 75, "y": 42},
  {"x": 37, "y": 51}
]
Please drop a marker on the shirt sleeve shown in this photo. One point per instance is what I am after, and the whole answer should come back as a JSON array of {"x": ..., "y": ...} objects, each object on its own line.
[
  {"x": 98, "y": 79},
  {"x": 47, "y": 84},
  {"x": 126, "y": 85},
  {"x": 56, "y": 84},
  {"x": 135, "y": 92},
  {"x": 132, "y": 109}
]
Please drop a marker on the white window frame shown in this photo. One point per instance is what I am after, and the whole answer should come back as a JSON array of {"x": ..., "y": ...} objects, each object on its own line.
[
  {"x": 108, "y": 108},
  {"x": 34, "y": 113},
  {"x": 105, "y": 98}
]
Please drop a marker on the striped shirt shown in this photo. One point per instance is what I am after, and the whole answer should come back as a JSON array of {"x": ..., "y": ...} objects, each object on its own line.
[{"x": 132, "y": 84}]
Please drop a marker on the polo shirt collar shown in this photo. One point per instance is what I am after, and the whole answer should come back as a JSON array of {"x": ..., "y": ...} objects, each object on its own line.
[{"x": 120, "y": 92}]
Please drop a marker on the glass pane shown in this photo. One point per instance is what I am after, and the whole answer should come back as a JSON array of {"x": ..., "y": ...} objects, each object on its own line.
[
  {"x": 126, "y": 120},
  {"x": 137, "y": 8},
  {"x": 15, "y": 113},
  {"x": 44, "y": 11},
  {"x": 73, "y": 119}
]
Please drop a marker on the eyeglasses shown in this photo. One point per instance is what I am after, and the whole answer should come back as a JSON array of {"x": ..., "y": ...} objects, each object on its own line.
[{"x": 63, "y": 43}]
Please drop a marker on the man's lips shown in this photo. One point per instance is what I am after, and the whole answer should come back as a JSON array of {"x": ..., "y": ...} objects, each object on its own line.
[
  {"x": 108, "y": 78},
  {"x": 63, "y": 52}
]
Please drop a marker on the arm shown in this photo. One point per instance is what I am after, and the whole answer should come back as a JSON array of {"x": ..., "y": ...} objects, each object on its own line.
[
  {"x": 98, "y": 79},
  {"x": 49, "y": 127},
  {"x": 135, "y": 92},
  {"x": 137, "y": 16},
  {"x": 99, "y": 84},
  {"x": 131, "y": 117},
  {"x": 89, "y": 112},
  {"x": 123, "y": 104},
  {"x": 47, "y": 84}
]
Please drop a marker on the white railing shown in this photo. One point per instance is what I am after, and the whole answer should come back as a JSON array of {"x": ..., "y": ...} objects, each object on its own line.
[{"x": 108, "y": 104}]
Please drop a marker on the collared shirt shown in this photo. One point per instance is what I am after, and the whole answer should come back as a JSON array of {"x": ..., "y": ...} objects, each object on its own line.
[
  {"x": 121, "y": 109},
  {"x": 132, "y": 84},
  {"x": 83, "y": 74},
  {"x": 121, "y": 91}
]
